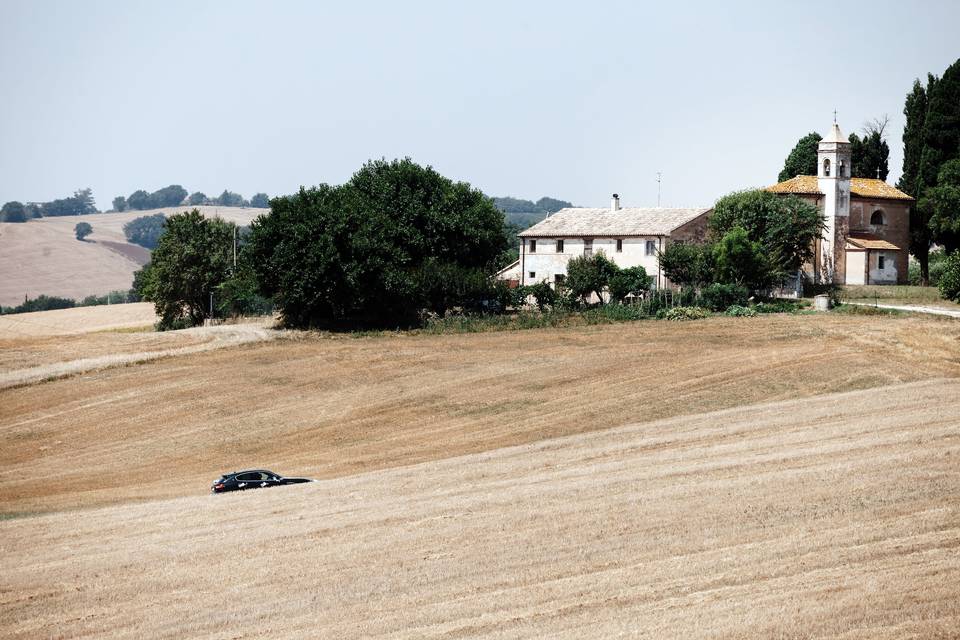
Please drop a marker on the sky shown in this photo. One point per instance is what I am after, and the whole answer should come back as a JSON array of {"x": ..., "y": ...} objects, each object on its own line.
[{"x": 574, "y": 100}]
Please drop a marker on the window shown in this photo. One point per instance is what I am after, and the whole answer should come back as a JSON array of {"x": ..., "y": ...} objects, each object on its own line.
[
  {"x": 587, "y": 247},
  {"x": 881, "y": 261},
  {"x": 651, "y": 247},
  {"x": 619, "y": 245},
  {"x": 558, "y": 279},
  {"x": 877, "y": 217},
  {"x": 840, "y": 173},
  {"x": 533, "y": 246},
  {"x": 532, "y": 274},
  {"x": 826, "y": 167},
  {"x": 559, "y": 246},
  {"x": 248, "y": 477}
]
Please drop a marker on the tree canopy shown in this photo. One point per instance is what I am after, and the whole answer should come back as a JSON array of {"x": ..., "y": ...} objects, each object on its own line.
[
  {"x": 941, "y": 205},
  {"x": 362, "y": 251},
  {"x": 260, "y": 201},
  {"x": 802, "y": 160},
  {"x": 145, "y": 230},
  {"x": 80, "y": 203},
  {"x": 870, "y": 155},
  {"x": 13, "y": 211},
  {"x": 518, "y": 205},
  {"x": 784, "y": 226},
  {"x": 931, "y": 138},
  {"x": 193, "y": 258}
]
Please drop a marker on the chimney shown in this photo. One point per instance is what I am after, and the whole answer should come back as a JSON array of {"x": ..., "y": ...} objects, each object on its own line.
[{"x": 615, "y": 202}]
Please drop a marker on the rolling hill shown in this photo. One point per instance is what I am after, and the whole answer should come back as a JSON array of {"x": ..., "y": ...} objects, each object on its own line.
[{"x": 42, "y": 256}]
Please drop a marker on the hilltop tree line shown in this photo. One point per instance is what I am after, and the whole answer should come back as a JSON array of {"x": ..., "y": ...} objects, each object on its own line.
[
  {"x": 82, "y": 203},
  {"x": 175, "y": 195}
]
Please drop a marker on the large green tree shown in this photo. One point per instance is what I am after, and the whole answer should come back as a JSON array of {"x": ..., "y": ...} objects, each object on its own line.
[
  {"x": 145, "y": 230},
  {"x": 741, "y": 261},
  {"x": 941, "y": 205},
  {"x": 359, "y": 253},
  {"x": 687, "y": 264},
  {"x": 785, "y": 226},
  {"x": 802, "y": 160},
  {"x": 193, "y": 258},
  {"x": 931, "y": 137}
]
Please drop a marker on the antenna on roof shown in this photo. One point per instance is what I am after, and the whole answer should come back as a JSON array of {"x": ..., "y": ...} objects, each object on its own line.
[{"x": 658, "y": 188}]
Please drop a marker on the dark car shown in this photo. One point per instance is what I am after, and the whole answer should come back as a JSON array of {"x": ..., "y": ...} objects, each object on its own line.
[{"x": 252, "y": 479}]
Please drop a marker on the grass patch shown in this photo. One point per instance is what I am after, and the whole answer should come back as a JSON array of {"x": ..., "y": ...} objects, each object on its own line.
[
  {"x": 891, "y": 292},
  {"x": 864, "y": 310}
]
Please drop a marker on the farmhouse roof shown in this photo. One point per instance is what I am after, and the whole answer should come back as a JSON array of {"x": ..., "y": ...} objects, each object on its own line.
[
  {"x": 629, "y": 221},
  {"x": 862, "y": 187},
  {"x": 870, "y": 241}
]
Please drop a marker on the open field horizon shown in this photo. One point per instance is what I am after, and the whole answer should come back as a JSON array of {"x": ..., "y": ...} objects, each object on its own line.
[{"x": 43, "y": 256}]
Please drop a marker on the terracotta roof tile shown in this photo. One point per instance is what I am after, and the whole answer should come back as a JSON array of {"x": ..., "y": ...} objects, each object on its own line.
[
  {"x": 870, "y": 241},
  {"x": 861, "y": 187}
]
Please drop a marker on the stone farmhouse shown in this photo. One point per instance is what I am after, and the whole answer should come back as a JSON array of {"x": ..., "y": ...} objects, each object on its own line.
[
  {"x": 867, "y": 238},
  {"x": 627, "y": 236}
]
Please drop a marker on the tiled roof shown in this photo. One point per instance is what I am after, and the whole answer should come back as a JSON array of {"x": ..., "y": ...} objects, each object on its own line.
[
  {"x": 861, "y": 187},
  {"x": 870, "y": 241},
  {"x": 631, "y": 221}
]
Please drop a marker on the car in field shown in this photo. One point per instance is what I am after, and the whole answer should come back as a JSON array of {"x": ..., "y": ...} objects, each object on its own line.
[{"x": 252, "y": 479}]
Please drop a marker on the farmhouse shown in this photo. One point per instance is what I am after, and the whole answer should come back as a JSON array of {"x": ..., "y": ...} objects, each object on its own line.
[
  {"x": 627, "y": 236},
  {"x": 867, "y": 237}
]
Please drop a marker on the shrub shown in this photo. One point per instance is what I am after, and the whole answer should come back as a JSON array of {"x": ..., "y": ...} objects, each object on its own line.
[
  {"x": 717, "y": 297},
  {"x": 683, "y": 313},
  {"x": 82, "y": 229},
  {"x": 588, "y": 276},
  {"x": 740, "y": 312},
  {"x": 544, "y": 295},
  {"x": 631, "y": 280},
  {"x": 949, "y": 284},
  {"x": 41, "y": 303}
]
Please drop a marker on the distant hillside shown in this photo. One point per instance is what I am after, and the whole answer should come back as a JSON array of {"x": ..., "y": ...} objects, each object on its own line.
[
  {"x": 42, "y": 256},
  {"x": 526, "y": 213}
]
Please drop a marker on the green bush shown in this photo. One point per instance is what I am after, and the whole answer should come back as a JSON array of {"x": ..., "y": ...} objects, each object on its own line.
[
  {"x": 740, "y": 312},
  {"x": 949, "y": 284},
  {"x": 683, "y": 313},
  {"x": 717, "y": 297},
  {"x": 544, "y": 295}
]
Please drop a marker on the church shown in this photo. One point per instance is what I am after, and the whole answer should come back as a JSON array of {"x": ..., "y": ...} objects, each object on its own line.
[{"x": 867, "y": 222}]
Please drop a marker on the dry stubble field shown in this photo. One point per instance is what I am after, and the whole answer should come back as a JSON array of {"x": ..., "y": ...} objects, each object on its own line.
[{"x": 449, "y": 508}]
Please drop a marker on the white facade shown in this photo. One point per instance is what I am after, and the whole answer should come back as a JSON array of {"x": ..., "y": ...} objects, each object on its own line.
[
  {"x": 833, "y": 181},
  {"x": 543, "y": 262}
]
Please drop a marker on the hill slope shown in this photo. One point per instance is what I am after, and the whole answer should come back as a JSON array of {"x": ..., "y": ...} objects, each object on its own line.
[
  {"x": 815, "y": 518},
  {"x": 42, "y": 256}
]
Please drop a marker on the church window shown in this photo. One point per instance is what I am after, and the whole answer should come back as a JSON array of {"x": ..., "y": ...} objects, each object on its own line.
[
  {"x": 826, "y": 167},
  {"x": 840, "y": 172},
  {"x": 877, "y": 217}
]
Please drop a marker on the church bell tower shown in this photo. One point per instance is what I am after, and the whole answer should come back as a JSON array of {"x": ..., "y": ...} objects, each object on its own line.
[{"x": 833, "y": 181}]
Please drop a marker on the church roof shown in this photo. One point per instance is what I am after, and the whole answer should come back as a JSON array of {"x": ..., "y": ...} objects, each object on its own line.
[
  {"x": 629, "y": 221},
  {"x": 870, "y": 241},
  {"x": 860, "y": 187}
]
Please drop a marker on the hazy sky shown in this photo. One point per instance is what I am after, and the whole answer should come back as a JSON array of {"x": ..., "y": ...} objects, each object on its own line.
[{"x": 573, "y": 100}]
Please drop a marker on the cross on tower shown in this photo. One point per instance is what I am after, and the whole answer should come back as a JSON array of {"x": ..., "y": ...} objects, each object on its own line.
[{"x": 834, "y": 116}]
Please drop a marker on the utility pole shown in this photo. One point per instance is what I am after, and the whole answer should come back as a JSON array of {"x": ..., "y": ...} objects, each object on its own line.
[
  {"x": 234, "y": 248},
  {"x": 211, "y": 305},
  {"x": 659, "y": 174}
]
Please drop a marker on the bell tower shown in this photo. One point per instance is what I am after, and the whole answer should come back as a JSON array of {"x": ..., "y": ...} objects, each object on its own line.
[{"x": 833, "y": 181}]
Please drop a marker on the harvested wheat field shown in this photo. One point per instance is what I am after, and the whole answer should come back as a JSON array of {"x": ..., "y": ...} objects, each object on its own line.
[
  {"x": 785, "y": 476},
  {"x": 833, "y": 517},
  {"x": 43, "y": 256}
]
